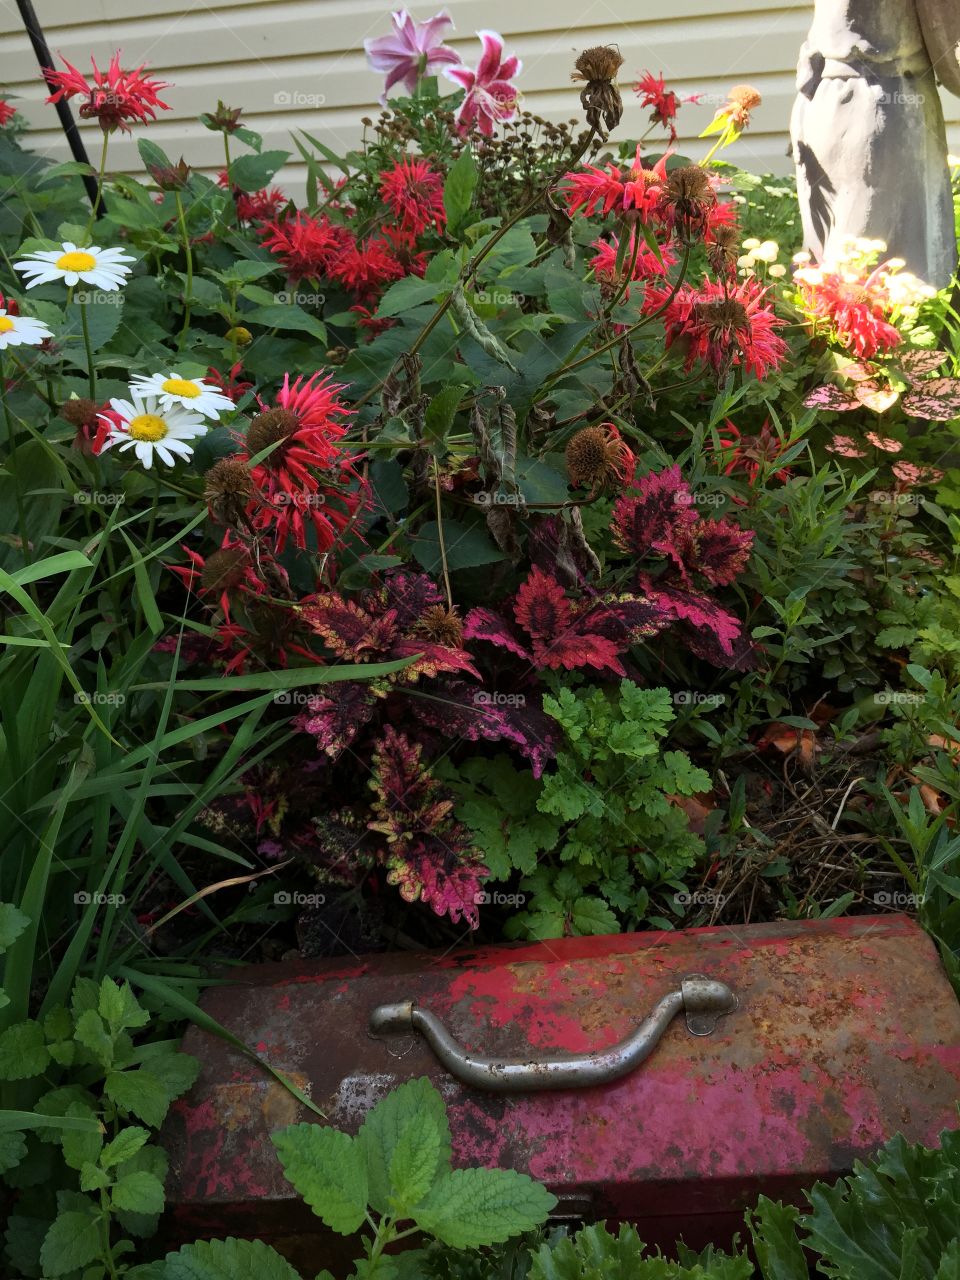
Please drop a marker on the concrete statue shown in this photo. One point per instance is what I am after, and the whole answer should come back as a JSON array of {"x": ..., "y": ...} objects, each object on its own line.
[{"x": 868, "y": 134}]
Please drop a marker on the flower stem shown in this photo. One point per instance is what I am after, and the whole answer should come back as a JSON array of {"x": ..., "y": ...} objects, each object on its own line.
[
  {"x": 91, "y": 370},
  {"x": 100, "y": 176},
  {"x": 14, "y": 469},
  {"x": 440, "y": 538},
  {"x": 188, "y": 252}
]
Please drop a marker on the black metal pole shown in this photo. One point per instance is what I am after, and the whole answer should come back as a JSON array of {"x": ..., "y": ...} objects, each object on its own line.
[{"x": 77, "y": 149}]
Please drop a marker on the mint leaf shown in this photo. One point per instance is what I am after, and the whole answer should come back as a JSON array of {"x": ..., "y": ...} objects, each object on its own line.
[
  {"x": 140, "y": 1093},
  {"x": 473, "y": 1207},
  {"x": 118, "y": 1007},
  {"x": 227, "y": 1260},
  {"x": 72, "y": 1241},
  {"x": 93, "y": 1035},
  {"x": 81, "y": 1146},
  {"x": 138, "y": 1192},
  {"x": 327, "y": 1168},
  {"x": 23, "y": 1052},
  {"x": 126, "y": 1144},
  {"x": 416, "y": 1162},
  {"x": 414, "y": 1108},
  {"x": 12, "y": 1149},
  {"x": 12, "y": 924}
]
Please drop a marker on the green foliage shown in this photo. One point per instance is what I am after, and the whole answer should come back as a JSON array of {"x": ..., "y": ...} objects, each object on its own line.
[
  {"x": 598, "y": 840},
  {"x": 91, "y": 1176}
]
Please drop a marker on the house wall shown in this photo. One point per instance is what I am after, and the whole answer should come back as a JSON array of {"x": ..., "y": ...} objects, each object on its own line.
[{"x": 299, "y": 64}]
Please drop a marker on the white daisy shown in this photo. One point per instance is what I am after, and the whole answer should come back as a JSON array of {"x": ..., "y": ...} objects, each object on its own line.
[
  {"x": 148, "y": 429},
  {"x": 103, "y": 268},
  {"x": 189, "y": 393},
  {"x": 21, "y": 331}
]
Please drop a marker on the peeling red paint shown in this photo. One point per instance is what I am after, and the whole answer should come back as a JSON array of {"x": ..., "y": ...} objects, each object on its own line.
[{"x": 829, "y": 1054}]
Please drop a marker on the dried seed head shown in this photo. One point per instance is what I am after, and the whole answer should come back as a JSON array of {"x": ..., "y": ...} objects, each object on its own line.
[
  {"x": 228, "y": 488},
  {"x": 224, "y": 569},
  {"x": 268, "y": 428},
  {"x": 602, "y": 62},
  {"x": 687, "y": 201},
  {"x": 745, "y": 96},
  {"x": 723, "y": 249},
  {"x": 723, "y": 317},
  {"x": 596, "y": 457},
  {"x": 79, "y": 413},
  {"x": 689, "y": 182},
  {"x": 443, "y": 626}
]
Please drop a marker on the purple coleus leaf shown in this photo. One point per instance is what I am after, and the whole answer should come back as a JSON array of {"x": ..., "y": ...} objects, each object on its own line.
[
  {"x": 484, "y": 624},
  {"x": 937, "y": 399},
  {"x": 349, "y": 630},
  {"x": 722, "y": 550},
  {"x": 700, "y": 612},
  {"x": 448, "y": 880},
  {"x": 652, "y": 516},
  {"x": 831, "y": 398},
  {"x": 627, "y": 619},
  {"x": 459, "y": 710},
  {"x": 337, "y": 715},
  {"x": 409, "y": 595}
]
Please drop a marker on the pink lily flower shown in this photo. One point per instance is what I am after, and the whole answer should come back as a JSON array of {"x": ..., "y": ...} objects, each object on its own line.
[
  {"x": 413, "y": 51},
  {"x": 490, "y": 95}
]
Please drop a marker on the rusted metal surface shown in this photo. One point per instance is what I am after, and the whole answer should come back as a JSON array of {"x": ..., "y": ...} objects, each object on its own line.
[{"x": 847, "y": 1032}]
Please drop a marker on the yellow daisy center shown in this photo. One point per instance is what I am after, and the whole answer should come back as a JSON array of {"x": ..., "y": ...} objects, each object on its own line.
[
  {"x": 181, "y": 387},
  {"x": 77, "y": 261},
  {"x": 148, "y": 426},
  {"x": 6, "y": 324}
]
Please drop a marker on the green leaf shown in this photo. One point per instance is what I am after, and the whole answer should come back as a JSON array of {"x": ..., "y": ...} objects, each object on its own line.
[
  {"x": 442, "y": 410},
  {"x": 23, "y": 1051},
  {"x": 250, "y": 173},
  {"x": 13, "y": 1148},
  {"x": 140, "y": 1093},
  {"x": 328, "y": 1169},
  {"x": 126, "y": 1144},
  {"x": 473, "y": 1207},
  {"x": 592, "y": 916},
  {"x": 72, "y": 1242},
  {"x": 280, "y": 316},
  {"x": 119, "y": 1007},
  {"x": 466, "y": 546},
  {"x": 81, "y": 1146},
  {"x": 227, "y": 1260},
  {"x": 153, "y": 155},
  {"x": 773, "y": 1228},
  {"x": 69, "y": 169},
  {"x": 405, "y": 294},
  {"x": 459, "y": 188},
  {"x": 103, "y": 321},
  {"x": 93, "y": 1035},
  {"x": 138, "y": 1192},
  {"x": 12, "y": 924},
  {"x": 411, "y": 1111}
]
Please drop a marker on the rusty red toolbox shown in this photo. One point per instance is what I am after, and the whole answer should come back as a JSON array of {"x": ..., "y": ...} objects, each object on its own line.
[{"x": 844, "y": 1033}]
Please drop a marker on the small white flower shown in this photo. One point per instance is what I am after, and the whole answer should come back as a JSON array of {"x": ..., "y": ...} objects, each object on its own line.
[
  {"x": 752, "y": 243},
  {"x": 769, "y": 251},
  {"x": 777, "y": 271},
  {"x": 189, "y": 393},
  {"x": 21, "y": 331},
  {"x": 148, "y": 429},
  {"x": 103, "y": 268}
]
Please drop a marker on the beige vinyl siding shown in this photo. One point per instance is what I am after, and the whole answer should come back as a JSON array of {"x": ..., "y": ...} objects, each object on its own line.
[{"x": 299, "y": 64}]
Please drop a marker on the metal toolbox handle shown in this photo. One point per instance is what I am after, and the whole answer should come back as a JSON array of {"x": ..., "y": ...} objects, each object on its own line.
[{"x": 703, "y": 1000}]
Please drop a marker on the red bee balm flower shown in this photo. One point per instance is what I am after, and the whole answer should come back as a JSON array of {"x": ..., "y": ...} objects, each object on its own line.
[
  {"x": 414, "y": 193},
  {"x": 646, "y": 264},
  {"x": 255, "y": 206},
  {"x": 724, "y": 327},
  {"x": 853, "y": 309},
  {"x": 368, "y": 268},
  {"x": 6, "y": 113},
  {"x": 306, "y": 246},
  {"x": 653, "y": 92},
  {"x": 638, "y": 188},
  {"x": 489, "y": 94},
  {"x": 308, "y": 479},
  {"x": 115, "y": 96}
]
